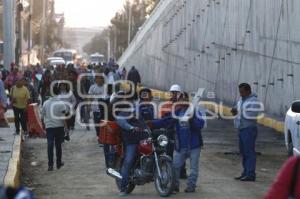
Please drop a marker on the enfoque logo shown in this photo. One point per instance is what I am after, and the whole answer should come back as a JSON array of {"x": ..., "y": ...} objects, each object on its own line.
[{"x": 126, "y": 108}]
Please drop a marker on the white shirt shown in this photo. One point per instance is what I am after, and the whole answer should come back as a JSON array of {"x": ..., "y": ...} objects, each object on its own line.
[
  {"x": 53, "y": 113},
  {"x": 96, "y": 90},
  {"x": 68, "y": 97}
]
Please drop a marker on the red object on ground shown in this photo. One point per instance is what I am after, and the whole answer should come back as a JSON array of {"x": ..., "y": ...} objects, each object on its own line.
[
  {"x": 281, "y": 188},
  {"x": 34, "y": 123},
  {"x": 110, "y": 133}
]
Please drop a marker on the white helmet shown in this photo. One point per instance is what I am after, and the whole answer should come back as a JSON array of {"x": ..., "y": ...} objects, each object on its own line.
[{"x": 175, "y": 88}]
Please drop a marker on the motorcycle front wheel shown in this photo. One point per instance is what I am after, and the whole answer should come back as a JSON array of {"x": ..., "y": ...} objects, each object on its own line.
[{"x": 166, "y": 184}]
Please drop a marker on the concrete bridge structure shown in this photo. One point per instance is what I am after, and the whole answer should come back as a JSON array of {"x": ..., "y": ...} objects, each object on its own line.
[{"x": 218, "y": 44}]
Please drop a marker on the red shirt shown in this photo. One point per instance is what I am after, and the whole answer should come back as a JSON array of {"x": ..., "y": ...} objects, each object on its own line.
[
  {"x": 165, "y": 108},
  {"x": 281, "y": 188}
]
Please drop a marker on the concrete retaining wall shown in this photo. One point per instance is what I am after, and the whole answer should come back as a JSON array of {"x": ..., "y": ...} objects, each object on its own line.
[{"x": 218, "y": 44}]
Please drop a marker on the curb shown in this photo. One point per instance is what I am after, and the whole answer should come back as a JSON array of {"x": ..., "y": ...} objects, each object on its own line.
[{"x": 12, "y": 176}]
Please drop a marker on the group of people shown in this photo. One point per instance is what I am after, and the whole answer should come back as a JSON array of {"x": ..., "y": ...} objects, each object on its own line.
[
  {"x": 60, "y": 91},
  {"x": 185, "y": 137},
  {"x": 77, "y": 91},
  {"x": 96, "y": 87}
]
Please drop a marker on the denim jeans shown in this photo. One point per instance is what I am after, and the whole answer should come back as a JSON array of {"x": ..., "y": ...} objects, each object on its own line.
[
  {"x": 109, "y": 154},
  {"x": 247, "y": 139},
  {"x": 97, "y": 119},
  {"x": 85, "y": 114},
  {"x": 179, "y": 160},
  {"x": 130, "y": 155},
  {"x": 20, "y": 118},
  {"x": 106, "y": 148},
  {"x": 55, "y": 136}
]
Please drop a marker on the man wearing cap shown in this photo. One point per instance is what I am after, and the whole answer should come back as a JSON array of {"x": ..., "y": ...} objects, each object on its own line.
[{"x": 165, "y": 110}]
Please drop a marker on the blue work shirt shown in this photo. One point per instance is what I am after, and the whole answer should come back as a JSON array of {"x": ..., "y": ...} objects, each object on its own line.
[{"x": 188, "y": 134}]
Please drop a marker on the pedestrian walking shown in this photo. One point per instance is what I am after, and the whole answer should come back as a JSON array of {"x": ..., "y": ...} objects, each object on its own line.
[
  {"x": 96, "y": 90},
  {"x": 66, "y": 95},
  {"x": 123, "y": 73},
  {"x": 53, "y": 114},
  {"x": 3, "y": 104},
  {"x": 85, "y": 85},
  {"x": 135, "y": 78},
  {"x": 4, "y": 72},
  {"x": 44, "y": 86},
  {"x": 32, "y": 91},
  {"x": 20, "y": 97},
  {"x": 12, "y": 78},
  {"x": 246, "y": 112}
]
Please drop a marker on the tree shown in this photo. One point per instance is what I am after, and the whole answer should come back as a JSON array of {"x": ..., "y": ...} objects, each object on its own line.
[
  {"x": 118, "y": 32},
  {"x": 98, "y": 44},
  {"x": 52, "y": 40}
]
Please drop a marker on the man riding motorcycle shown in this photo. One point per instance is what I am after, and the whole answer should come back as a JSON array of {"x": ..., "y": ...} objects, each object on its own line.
[{"x": 132, "y": 134}]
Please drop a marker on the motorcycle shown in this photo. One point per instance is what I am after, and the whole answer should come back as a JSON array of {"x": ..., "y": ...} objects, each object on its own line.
[{"x": 151, "y": 165}]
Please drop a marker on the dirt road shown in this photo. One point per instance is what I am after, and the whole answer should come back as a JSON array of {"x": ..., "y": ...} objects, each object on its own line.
[{"x": 83, "y": 175}]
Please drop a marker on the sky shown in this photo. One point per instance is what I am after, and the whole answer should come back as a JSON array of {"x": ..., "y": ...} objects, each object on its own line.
[{"x": 88, "y": 13}]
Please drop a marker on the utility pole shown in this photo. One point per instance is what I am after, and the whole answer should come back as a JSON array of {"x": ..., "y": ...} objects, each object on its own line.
[
  {"x": 29, "y": 31},
  {"x": 9, "y": 32},
  {"x": 129, "y": 22},
  {"x": 108, "y": 44},
  {"x": 19, "y": 32},
  {"x": 114, "y": 52},
  {"x": 43, "y": 32}
]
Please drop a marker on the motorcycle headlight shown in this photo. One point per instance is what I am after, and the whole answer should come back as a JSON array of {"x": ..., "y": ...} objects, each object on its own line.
[{"x": 162, "y": 140}]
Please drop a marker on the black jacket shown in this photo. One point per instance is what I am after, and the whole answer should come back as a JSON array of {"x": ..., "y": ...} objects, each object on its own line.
[{"x": 134, "y": 76}]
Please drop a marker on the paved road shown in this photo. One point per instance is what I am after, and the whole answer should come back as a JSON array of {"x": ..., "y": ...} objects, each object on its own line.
[{"x": 84, "y": 174}]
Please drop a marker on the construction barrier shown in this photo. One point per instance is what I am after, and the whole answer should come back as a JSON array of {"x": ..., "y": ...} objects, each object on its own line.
[{"x": 34, "y": 123}]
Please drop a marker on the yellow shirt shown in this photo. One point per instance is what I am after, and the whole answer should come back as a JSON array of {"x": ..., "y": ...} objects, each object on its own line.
[{"x": 21, "y": 96}]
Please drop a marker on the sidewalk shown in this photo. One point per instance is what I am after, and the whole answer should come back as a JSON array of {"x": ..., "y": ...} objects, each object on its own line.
[
  {"x": 10, "y": 150},
  {"x": 7, "y": 138}
]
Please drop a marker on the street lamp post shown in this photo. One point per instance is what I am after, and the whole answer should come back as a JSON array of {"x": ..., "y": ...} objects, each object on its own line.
[
  {"x": 29, "y": 31},
  {"x": 129, "y": 22},
  {"x": 43, "y": 31},
  {"x": 9, "y": 32},
  {"x": 108, "y": 44}
]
